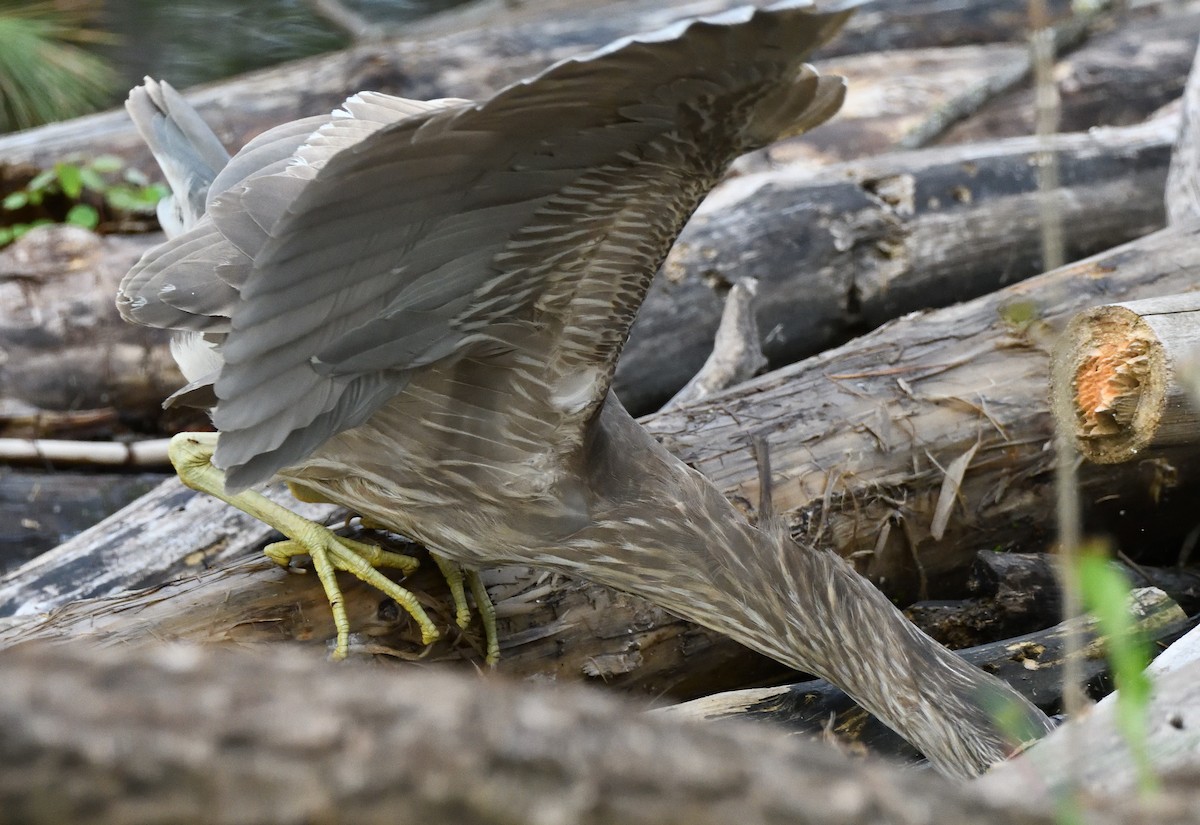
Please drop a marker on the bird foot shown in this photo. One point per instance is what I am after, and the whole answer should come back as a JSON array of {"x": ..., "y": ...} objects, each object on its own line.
[
  {"x": 330, "y": 552},
  {"x": 191, "y": 453},
  {"x": 456, "y": 576}
]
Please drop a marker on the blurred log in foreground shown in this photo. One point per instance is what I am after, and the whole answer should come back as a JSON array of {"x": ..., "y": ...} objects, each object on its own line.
[{"x": 186, "y": 735}]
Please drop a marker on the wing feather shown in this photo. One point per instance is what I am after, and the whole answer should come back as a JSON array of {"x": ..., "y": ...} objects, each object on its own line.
[
  {"x": 400, "y": 236},
  {"x": 438, "y": 228}
]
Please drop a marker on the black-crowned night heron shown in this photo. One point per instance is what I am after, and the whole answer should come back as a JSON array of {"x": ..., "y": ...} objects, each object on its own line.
[{"x": 415, "y": 309}]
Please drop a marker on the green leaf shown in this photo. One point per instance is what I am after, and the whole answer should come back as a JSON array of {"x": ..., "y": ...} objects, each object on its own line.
[
  {"x": 122, "y": 198},
  {"x": 81, "y": 214},
  {"x": 135, "y": 177},
  {"x": 93, "y": 180},
  {"x": 41, "y": 180},
  {"x": 1104, "y": 589},
  {"x": 6, "y": 235},
  {"x": 15, "y": 200},
  {"x": 70, "y": 179},
  {"x": 141, "y": 199},
  {"x": 106, "y": 164}
]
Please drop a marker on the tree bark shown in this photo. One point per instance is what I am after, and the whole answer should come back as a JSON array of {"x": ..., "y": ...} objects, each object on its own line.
[
  {"x": 1117, "y": 78},
  {"x": 1016, "y": 593},
  {"x": 185, "y": 735},
  {"x": 66, "y": 347},
  {"x": 913, "y": 83},
  {"x": 836, "y": 253},
  {"x": 859, "y": 438},
  {"x": 841, "y": 251},
  {"x": 861, "y": 435},
  {"x": 209, "y": 584},
  {"x": 473, "y": 53}
]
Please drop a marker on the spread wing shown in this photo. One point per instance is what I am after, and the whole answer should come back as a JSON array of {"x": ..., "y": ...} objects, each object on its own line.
[{"x": 527, "y": 226}]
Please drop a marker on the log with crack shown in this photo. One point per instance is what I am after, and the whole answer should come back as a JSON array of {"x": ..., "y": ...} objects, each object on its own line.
[
  {"x": 835, "y": 252},
  {"x": 1125, "y": 373},
  {"x": 861, "y": 438}
]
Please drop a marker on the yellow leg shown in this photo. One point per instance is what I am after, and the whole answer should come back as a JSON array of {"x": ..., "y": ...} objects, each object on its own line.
[
  {"x": 487, "y": 615},
  {"x": 455, "y": 576},
  {"x": 191, "y": 453}
]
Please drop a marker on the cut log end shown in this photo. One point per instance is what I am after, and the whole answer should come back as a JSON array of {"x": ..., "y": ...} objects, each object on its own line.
[{"x": 1116, "y": 385}]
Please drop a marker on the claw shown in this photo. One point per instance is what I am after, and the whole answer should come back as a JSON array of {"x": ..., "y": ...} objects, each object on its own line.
[{"x": 191, "y": 454}]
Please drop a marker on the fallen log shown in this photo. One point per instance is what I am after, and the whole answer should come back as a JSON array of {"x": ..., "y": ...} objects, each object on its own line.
[
  {"x": 1117, "y": 78},
  {"x": 66, "y": 347},
  {"x": 190, "y": 736},
  {"x": 878, "y": 25},
  {"x": 38, "y": 510},
  {"x": 1015, "y": 593},
  {"x": 1032, "y": 663},
  {"x": 209, "y": 583},
  {"x": 1120, "y": 371},
  {"x": 858, "y": 437},
  {"x": 836, "y": 253},
  {"x": 843, "y": 250},
  {"x": 863, "y": 436},
  {"x": 890, "y": 93},
  {"x": 474, "y": 53}
]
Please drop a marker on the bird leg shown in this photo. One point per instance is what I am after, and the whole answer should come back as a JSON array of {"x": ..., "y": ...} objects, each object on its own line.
[
  {"x": 455, "y": 576},
  {"x": 487, "y": 615},
  {"x": 191, "y": 454}
]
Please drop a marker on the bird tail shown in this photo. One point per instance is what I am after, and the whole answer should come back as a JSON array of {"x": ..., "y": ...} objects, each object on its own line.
[{"x": 187, "y": 151}]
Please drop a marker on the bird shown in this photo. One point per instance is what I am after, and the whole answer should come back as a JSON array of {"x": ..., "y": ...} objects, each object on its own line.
[{"x": 414, "y": 309}]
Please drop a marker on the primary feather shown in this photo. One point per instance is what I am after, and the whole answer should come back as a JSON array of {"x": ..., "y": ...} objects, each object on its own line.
[{"x": 397, "y": 236}]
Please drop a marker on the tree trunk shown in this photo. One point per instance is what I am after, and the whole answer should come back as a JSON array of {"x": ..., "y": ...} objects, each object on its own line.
[{"x": 185, "y": 735}]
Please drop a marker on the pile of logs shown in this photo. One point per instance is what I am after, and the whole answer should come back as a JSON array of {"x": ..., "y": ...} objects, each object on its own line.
[{"x": 910, "y": 328}]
